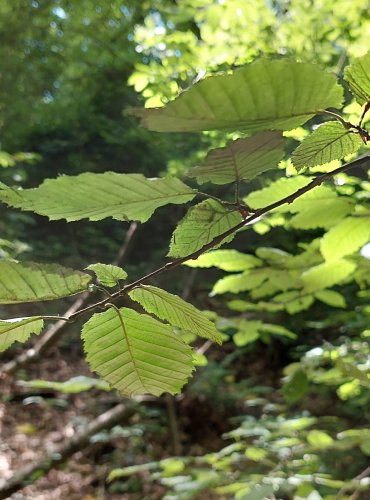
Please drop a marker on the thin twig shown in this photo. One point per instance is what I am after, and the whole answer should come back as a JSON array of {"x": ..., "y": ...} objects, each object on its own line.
[
  {"x": 56, "y": 330},
  {"x": 317, "y": 181},
  {"x": 364, "y": 473}
]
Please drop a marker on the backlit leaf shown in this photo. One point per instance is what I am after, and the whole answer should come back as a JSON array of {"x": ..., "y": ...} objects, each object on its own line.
[
  {"x": 241, "y": 159},
  {"x": 107, "y": 274},
  {"x": 327, "y": 274},
  {"x": 18, "y": 329},
  {"x": 200, "y": 226},
  {"x": 176, "y": 311},
  {"x": 331, "y": 298},
  {"x": 276, "y": 191},
  {"x": 331, "y": 141},
  {"x": 236, "y": 283},
  {"x": 98, "y": 196},
  {"x": 135, "y": 353},
  {"x": 30, "y": 282},
  {"x": 265, "y": 95},
  {"x": 358, "y": 77},
  {"x": 227, "y": 260},
  {"x": 324, "y": 213},
  {"x": 345, "y": 238}
]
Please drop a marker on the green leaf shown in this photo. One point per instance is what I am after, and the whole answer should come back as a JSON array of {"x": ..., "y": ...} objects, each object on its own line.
[
  {"x": 327, "y": 274},
  {"x": 279, "y": 330},
  {"x": 267, "y": 94},
  {"x": 107, "y": 274},
  {"x": 295, "y": 387},
  {"x": 294, "y": 301},
  {"x": 241, "y": 159},
  {"x": 73, "y": 385},
  {"x": 319, "y": 439},
  {"x": 18, "y": 330},
  {"x": 331, "y": 298},
  {"x": 324, "y": 213},
  {"x": 176, "y": 311},
  {"x": 135, "y": 353},
  {"x": 98, "y": 196},
  {"x": 345, "y": 238},
  {"x": 358, "y": 77},
  {"x": 276, "y": 191},
  {"x": 30, "y": 282},
  {"x": 248, "y": 332},
  {"x": 236, "y": 283},
  {"x": 227, "y": 260},
  {"x": 331, "y": 141},
  {"x": 351, "y": 370},
  {"x": 200, "y": 226}
]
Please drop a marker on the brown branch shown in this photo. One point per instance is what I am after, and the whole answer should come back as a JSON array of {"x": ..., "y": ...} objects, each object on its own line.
[
  {"x": 56, "y": 330},
  {"x": 317, "y": 181},
  {"x": 342, "y": 491},
  {"x": 60, "y": 453}
]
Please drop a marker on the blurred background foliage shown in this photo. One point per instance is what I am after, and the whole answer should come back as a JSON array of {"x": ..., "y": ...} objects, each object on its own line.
[{"x": 280, "y": 411}]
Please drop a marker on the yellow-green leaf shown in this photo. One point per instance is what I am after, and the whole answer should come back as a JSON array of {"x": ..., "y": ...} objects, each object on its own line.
[
  {"x": 18, "y": 330},
  {"x": 135, "y": 353},
  {"x": 176, "y": 311},
  {"x": 242, "y": 159},
  {"x": 30, "y": 282}
]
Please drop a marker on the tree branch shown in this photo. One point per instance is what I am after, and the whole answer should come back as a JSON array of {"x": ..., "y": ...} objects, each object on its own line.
[
  {"x": 317, "y": 181},
  {"x": 56, "y": 330}
]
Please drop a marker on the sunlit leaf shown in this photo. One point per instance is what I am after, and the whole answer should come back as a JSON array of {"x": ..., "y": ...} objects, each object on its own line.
[
  {"x": 73, "y": 385},
  {"x": 331, "y": 141},
  {"x": 30, "y": 282},
  {"x": 331, "y": 298},
  {"x": 200, "y": 226},
  {"x": 107, "y": 274},
  {"x": 227, "y": 260},
  {"x": 241, "y": 159},
  {"x": 276, "y": 191},
  {"x": 236, "y": 283},
  {"x": 327, "y": 274},
  {"x": 18, "y": 330},
  {"x": 358, "y": 77},
  {"x": 319, "y": 439},
  {"x": 267, "y": 94},
  {"x": 176, "y": 311},
  {"x": 135, "y": 353},
  {"x": 345, "y": 238},
  {"x": 324, "y": 212},
  {"x": 98, "y": 196}
]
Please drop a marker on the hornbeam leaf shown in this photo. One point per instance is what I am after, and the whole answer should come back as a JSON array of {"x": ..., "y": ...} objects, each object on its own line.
[
  {"x": 30, "y": 282},
  {"x": 107, "y": 274},
  {"x": 358, "y": 77},
  {"x": 345, "y": 238},
  {"x": 227, "y": 260},
  {"x": 200, "y": 226},
  {"x": 325, "y": 212},
  {"x": 331, "y": 141},
  {"x": 97, "y": 196},
  {"x": 136, "y": 353},
  {"x": 265, "y": 95},
  {"x": 327, "y": 274},
  {"x": 18, "y": 330},
  {"x": 176, "y": 311},
  {"x": 235, "y": 283},
  {"x": 241, "y": 159},
  {"x": 331, "y": 298},
  {"x": 276, "y": 191}
]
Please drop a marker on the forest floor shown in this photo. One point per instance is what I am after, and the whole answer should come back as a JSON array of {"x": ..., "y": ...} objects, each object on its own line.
[{"x": 33, "y": 421}]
